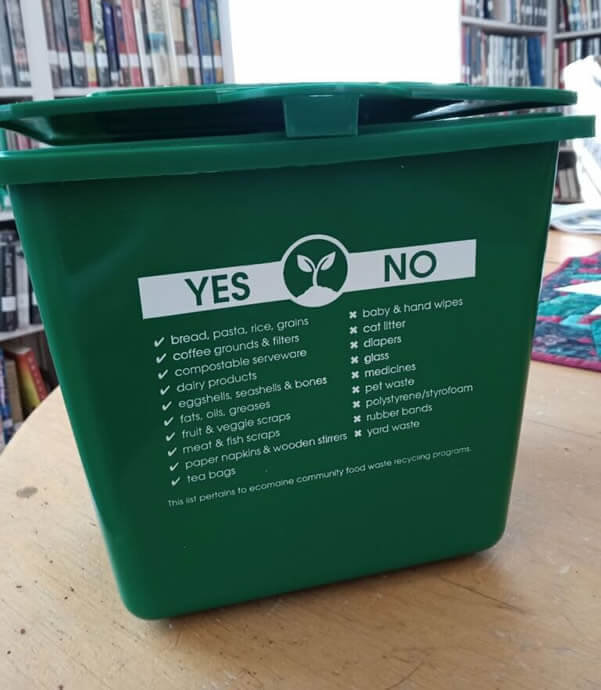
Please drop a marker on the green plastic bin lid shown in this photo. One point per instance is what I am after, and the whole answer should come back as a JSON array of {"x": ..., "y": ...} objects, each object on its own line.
[
  {"x": 188, "y": 130},
  {"x": 298, "y": 110}
]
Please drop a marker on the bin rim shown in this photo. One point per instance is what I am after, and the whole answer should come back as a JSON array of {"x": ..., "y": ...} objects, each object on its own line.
[
  {"x": 275, "y": 150},
  {"x": 191, "y": 111}
]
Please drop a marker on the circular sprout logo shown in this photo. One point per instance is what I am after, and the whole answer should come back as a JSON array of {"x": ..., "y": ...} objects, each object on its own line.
[{"x": 315, "y": 270}]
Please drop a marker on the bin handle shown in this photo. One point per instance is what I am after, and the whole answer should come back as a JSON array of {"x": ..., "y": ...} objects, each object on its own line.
[{"x": 321, "y": 115}]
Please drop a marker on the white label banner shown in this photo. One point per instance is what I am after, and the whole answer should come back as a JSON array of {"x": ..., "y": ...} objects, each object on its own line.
[{"x": 236, "y": 286}]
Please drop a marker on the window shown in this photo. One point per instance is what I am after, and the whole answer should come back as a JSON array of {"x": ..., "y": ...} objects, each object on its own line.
[{"x": 345, "y": 40}]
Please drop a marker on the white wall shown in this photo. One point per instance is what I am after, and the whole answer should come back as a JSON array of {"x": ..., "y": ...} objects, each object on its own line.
[{"x": 345, "y": 40}]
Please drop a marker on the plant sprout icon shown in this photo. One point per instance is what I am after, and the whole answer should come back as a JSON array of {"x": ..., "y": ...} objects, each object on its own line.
[
  {"x": 316, "y": 295},
  {"x": 305, "y": 264},
  {"x": 312, "y": 281}
]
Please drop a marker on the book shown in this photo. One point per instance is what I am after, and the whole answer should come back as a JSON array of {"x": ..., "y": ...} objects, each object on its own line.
[
  {"x": 62, "y": 43},
  {"x": 34, "y": 311},
  {"x": 157, "y": 36},
  {"x": 75, "y": 42},
  {"x": 215, "y": 41},
  {"x": 13, "y": 393},
  {"x": 124, "y": 73},
  {"x": 102, "y": 61},
  {"x": 493, "y": 59},
  {"x": 131, "y": 43},
  {"x": 31, "y": 384},
  {"x": 176, "y": 42},
  {"x": 87, "y": 35},
  {"x": 17, "y": 41},
  {"x": 5, "y": 410},
  {"x": 51, "y": 41},
  {"x": 142, "y": 41},
  {"x": 535, "y": 61},
  {"x": 577, "y": 218},
  {"x": 8, "y": 293},
  {"x": 203, "y": 35},
  {"x": 22, "y": 287},
  {"x": 111, "y": 41},
  {"x": 7, "y": 75},
  {"x": 192, "y": 59}
]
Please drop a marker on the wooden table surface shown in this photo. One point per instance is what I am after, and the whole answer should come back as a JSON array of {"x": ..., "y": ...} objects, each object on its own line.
[{"x": 525, "y": 614}]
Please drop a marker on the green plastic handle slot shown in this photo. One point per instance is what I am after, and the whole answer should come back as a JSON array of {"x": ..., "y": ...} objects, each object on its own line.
[{"x": 321, "y": 115}]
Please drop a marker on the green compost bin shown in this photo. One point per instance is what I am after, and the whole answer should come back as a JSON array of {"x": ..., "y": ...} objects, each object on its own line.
[{"x": 292, "y": 323}]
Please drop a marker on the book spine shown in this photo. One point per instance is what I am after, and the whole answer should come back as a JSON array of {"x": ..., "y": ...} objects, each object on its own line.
[
  {"x": 191, "y": 42},
  {"x": 17, "y": 39},
  {"x": 8, "y": 297},
  {"x": 87, "y": 34},
  {"x": 22, "y": 287},
  {"x": 51, "y": 41},
  {"x": 7, "y": 418},
  {"x": 131, "y": 43},
  {"x": 463, "y": 53},
  {"x": 32, "y": 387},
  {"x": 144, "y": 15},
  {"x": 34, "y": 311},
  {"x": 157, "y": 36},
  {"x": 215, "y": 32},
  {"x": 62, "y": 45},
  {"x": 124, "y": 73},
  {"x": 545, "y": 12},
  {"x": 561, "y": 22},
  {"x": 141, "y": 39},
  {"x": 12, "y": 390},
  {"x": 7, "y": 75},
  {"x": 204, "y": 41},
  {"x": 468, "y": 43},
  {"x": 176, "y": 42},
  {"x": 111, "y": 42},
  {"x": 34, "y": 370},
  {"x": 75, "y": 42},
  {"x": 23, "y": 142},
  {"x": 102, "y": 60}
]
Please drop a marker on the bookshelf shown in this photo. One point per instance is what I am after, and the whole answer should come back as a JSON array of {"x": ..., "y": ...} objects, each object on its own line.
[
  {"x": 494, "y": 25},
  {"x": 546, "y": 31},
  {"x": 39, "y": 67},
  {"x": 12, "y": 93},
  {"x": 20, "y": 332},
  {"x": 36, "y": 42},
  {"x": 28, "y": 342},
  {"x": 549, "y": 31}
]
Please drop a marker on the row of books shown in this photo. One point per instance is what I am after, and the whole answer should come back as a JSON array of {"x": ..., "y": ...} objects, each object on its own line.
[
  {"x": 14, "y": 142},
  {"x": 497, "y": 60},
  {"x": 14, "y": 65},
  {"x": 22, "y": 388},
  {"x": 578, "y": 15},
  {"x": 569, "y": 51},
  {"x": 133, "y": 42},
  {"x": 529, "y": 12},
  {"x": 567, "y": 186},
  {"x": 18, "y": 305}
]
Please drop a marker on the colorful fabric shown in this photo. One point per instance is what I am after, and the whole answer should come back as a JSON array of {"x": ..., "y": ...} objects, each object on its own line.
[{"x": 568, "y": 322}]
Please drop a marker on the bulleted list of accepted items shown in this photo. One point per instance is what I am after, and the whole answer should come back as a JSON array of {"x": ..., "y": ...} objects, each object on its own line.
[{"x": 230, "y": 397}]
